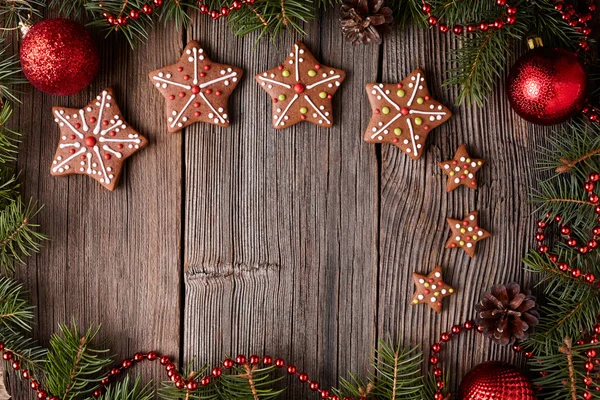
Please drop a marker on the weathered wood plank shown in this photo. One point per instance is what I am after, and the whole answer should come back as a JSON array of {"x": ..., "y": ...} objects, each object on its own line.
[
  {"x": 414, "y": 208},
  {"x": 114, "y": 257},
  {"x": 280, "y": 227}
]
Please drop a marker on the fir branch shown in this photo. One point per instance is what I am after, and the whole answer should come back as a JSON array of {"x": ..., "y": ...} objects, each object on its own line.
[
  {"x": 31, "y": 356},
  {"x": 18, "y": 234},
  {"x": 16, "y": 314},
  {"x": 249, "y": 382},
  {"x": 169, "y": 391},
  {"x": 73, "y": 363},
  {"x": 13, "y": 13},
  {"x": 9, "y": 77},
  {"x": 567, "y": 350},
  {"x": 127, "y": 390}
]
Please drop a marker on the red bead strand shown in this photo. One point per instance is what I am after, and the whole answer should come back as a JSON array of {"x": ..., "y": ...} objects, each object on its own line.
[
  {"x": 579, "y": 21},
  {"x": 148, "y": 8},
  {"x": 566, "y": 231},
  {"x": 511, "y": 18}
]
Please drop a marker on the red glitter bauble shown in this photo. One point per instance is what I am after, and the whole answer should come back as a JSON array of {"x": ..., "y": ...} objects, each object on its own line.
[
  {"x": 59, "y": 56},
  {"x": 496, "y": 380},
  {"x": 547, "y": 86}
]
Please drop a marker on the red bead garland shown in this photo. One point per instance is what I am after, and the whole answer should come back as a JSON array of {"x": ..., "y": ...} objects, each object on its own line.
[
  {"x": 577, "y": 20},
  {"x": 590, "y": 245},
  {"x": 511, "y": 18},
  {"x": 148, "y": 8}
]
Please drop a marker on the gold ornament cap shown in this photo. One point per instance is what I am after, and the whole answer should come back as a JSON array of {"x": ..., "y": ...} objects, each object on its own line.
[{"x": 533, "y": 42}]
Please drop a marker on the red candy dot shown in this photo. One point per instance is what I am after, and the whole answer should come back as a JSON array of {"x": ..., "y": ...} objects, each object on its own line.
[
  {"x": 274, "y": 100},
  {"x": 317, "y": 66},
  {"x": 73, "y": 137},
  {"x": 377, "y": 111},
  {"x": 77, "y": 125},
  {"x": 181, "y": 94},
  {"x": 329, "y": 96},
  {"x": 202, "y": 74},
  {"x": 113, "y": 133},
  {"x": 395, "y": 140},
  {"x": 186, "y": 77},
  {"x": 107, "y": 156},
  {"x": 90, "y": 141},
  {"x": 72, "y": 151},
  {"x": 196, "y": 105},
  {"x": 208, "y": 91},
  {"x": 196, "y": 113},
  {"x": 206, "y": 67},
  {"x": 427, "y": 98},
  {"x": 105, "y": 123},
  {"x": 119, "y": 146},
  {"x": 93, "y": 119},
  {"x": 218, "y": 93},
  {"x": 179, "y": 69},
  {"x": 303, "y": 117},
  {"x": 404, "y": 111},
  {"x": 171, "y": 97},
  {"x": 426, "y": 127},
  {"x": 280, "y": 67},
  {"x": 82, "y": 157},
  {"x": 196, "y": 89},
  {"x": 299, "y": 88},
  {"x": 400, "y": 85}
]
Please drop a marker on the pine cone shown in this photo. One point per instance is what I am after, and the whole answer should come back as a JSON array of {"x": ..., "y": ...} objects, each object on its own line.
[
  {"x": 363, "y": 21},
  {"x": 506, "y": 314}
]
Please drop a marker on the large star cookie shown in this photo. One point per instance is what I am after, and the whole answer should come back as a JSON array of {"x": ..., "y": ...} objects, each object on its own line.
[
  {"x": 196, "y": 89},
  {"x": 94, "y": 140},
  {"x": 431, "y": 289},
  {"x": 466, "y": 233},
  {"x": 404, "y": 113},
  {"x": 461, "y": 170},
  {"x": 301, "y": 89}
]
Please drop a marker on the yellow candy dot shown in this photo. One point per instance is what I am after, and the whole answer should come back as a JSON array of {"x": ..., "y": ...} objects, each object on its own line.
[
  {"x": 466, "y": 172},
  {"x": 303, "y": 110},
  {"x": 479, "y": 163},
  {"x": 401, "y": 93},
  {"x": 418, "y": 121},
  {"x": 468, "y": 160},
  {"x": 322, "y": 95},
  {"x": 426, "y": 284},
  {"x": 436, "y": 294},
  {"x": 286, "y": 73},
  {"x": 463, "y": 230},
  {"x": 452, "y": 173},
  {"x": 281, "y": 97},
  {"x": 420, "y": 100},
  {"x": 415, "y": 301},
  {"x": 385, "y": 110},
  {"x": 398, "y": 131},
  {"x": 312, "y": 72},
  {"x": 450, "y": 290},
  {"x": 475, "y": 237},
  {"x": 461, "y": 243}
]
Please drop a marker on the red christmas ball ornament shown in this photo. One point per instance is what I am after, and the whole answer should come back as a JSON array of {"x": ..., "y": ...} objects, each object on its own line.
[
  {"x": 547, "y": 86},
  {"x": 59, "y": 56},
  {"x": 495, "y": 380}
]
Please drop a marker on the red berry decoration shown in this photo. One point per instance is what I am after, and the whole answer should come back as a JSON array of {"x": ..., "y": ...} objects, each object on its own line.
[
  {"x": 59, "y": 57},
  {"x": 547, "y": 86},
  {"x": 496, "y": 380}
]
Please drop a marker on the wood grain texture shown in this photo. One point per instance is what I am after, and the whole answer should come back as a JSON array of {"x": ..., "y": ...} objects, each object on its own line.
[
  {"x": 299, "y": 243},
  {"x": 114, "y": 257},
  {"x": 415, "y": 205},
  {"x": 280, "y": 227}
]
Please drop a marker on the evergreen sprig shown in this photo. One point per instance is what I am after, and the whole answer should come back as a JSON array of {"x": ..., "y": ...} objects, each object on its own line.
[
  {"x": 16, "y": 314},
  {"x": 563, "y": 370},
  {"x": 249, "y": 382},
  {"x": 9, "y": 77},
  {"x": 396, "y": 375},
  {"x": 16, "y": 12},
  {"x": 128, "y": 390},
  {"x": 74, "y": 364},
  {"x": 29, "y": 353}
]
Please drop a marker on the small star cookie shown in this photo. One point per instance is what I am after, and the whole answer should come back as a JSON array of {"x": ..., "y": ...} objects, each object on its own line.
[
  {"x": 196, "y": 89},
  {"x": 301, "y": 89},
  {"x": 461, "y": 170},
  {"x": 94, "y": 140},
  {"x": 431, "y": 289},
  {"x": 404, "y": 113},
  {"x": 466, "y": 233}
]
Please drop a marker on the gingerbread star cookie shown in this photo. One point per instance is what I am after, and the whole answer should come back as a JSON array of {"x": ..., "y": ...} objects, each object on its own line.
[
  {"x": 404, "y": 113},
  {"x": 461, "y": 170},
  {"x": 466, "y": 233},
  {"x": 196, "y": 89},
  {"x": 431, "y": 289},
  {"x": 301, "y": 89},
  {"x": 94, "y": 140}
]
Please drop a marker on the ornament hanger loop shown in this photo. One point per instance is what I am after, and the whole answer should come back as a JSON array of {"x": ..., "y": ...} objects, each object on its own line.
[{"x": 23, "y": 23}]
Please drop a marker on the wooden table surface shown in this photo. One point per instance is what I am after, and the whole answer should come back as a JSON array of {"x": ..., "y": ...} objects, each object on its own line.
[{"x": 298, "y": 243}]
